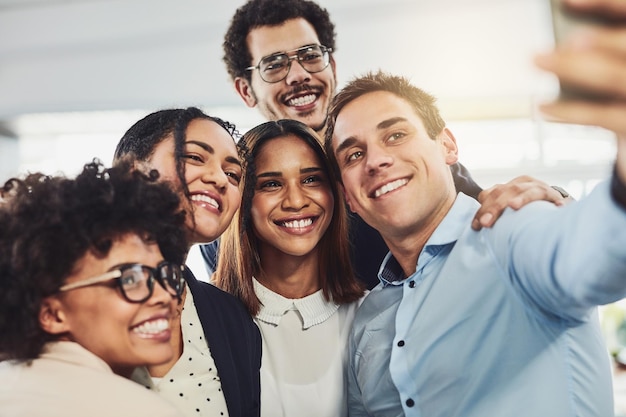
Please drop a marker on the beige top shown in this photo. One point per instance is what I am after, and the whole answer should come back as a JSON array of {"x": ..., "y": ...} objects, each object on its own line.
[{"x": 69, "y": 381}]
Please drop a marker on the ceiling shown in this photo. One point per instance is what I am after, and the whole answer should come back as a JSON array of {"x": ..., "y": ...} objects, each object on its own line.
[{"x": 89, "y": 55}]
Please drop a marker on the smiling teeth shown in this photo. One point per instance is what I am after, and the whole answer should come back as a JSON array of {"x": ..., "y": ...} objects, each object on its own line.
[
  {"x": 153, "y": 327},
  {"x": 205, "y": 199},
  {"x": 302, "y": 101},
  {"x": 394, "y": 185},
  {"x": 298, "y": 224}
]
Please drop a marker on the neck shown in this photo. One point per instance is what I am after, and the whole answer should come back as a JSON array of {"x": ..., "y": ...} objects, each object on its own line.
[
  {"x": 290, "y": 276},
  {"x": 406, "y": 246}
]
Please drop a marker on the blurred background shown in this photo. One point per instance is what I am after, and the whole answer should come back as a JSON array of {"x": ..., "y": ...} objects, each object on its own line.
[{"x": 75, "y": 74}]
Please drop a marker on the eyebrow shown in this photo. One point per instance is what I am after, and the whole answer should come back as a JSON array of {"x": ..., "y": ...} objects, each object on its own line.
[
  {"x": 291, "y": 50},
  {"x": 278, "y": 173},
  {"x": 350, "y": 141},
  {"x": 211, "y": 150}
]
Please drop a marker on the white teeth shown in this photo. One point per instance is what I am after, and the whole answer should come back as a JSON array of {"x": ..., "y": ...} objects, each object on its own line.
[
  {"x": 152, "y": 327},
  {"x": 394, "y": 185},
  {"x": 205, "y": 199},
  {"x": 298, "y": 224},
  {"x": 302, "y": 101}
]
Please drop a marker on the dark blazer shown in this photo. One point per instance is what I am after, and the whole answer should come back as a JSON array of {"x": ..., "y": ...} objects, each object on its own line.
[{"x": 235, "y": 343}]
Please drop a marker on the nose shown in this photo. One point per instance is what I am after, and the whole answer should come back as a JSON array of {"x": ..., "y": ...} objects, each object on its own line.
[
  {"x": 160, "y": 296},
  {"x": 216, "y": 177},
  {"x": 295, "y": 198},
  {"x": 297, "y": 74},
  {"x": 377, "y": 157}
]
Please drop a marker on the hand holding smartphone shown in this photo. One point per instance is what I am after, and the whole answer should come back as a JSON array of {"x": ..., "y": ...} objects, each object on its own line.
[{"x": 566, "y": 21}]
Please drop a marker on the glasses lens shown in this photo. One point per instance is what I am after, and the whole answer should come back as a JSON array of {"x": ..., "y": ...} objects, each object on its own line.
[
  {"x": 171, "y": 277},
  {"x": 136, "y": 283},
  {"x": 313, "y": 58},
  {"x": 274, "y": 67}
]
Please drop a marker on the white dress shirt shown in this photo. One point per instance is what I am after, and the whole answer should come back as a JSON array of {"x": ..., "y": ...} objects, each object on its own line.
[{"x": 304, "y": 354}]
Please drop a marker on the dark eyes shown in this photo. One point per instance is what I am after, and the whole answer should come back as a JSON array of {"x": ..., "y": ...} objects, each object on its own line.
[
  {"x": 269, "y": 184},
  {"x": 234, "y": 177},
  {"x": 273, "y": 184},
  {"x": 312, "y": 179},
  {"x": 193, "y": 157}
]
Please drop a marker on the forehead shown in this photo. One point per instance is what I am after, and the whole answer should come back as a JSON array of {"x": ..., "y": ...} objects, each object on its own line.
[
  {"x": 289, "y": 35},
  {"x": 288, "y": 150},
  {"x": 127, "y": 248},
  {"x": 370, "y": 113},
  {"x": 208, "y": 131}
]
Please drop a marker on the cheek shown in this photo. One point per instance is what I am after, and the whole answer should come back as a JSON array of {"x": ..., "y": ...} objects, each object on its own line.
[{"x": 257, "y": 211}]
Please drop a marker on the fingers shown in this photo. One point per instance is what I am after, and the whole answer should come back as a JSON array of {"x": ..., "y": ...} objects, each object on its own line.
[
  {"x": 613, "y": 8},
  {"x": 607, "y": 115},
  {"x": 593, "y": 59},
  {"x": 515, "y": 194}
]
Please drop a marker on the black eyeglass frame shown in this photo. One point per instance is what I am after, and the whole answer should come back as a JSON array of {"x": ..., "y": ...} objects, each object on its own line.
[
  {"x": 164, "y": 274},
  {"x": 299, "y": 56}
]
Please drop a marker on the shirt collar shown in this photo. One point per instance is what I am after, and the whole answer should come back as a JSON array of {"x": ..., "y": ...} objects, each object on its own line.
[
  {"x": 453, "y": 225},
  {"x": 314, "y": 309}
]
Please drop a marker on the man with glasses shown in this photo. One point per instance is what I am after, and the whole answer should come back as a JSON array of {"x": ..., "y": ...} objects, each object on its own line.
[{"x": 278, "y": 54}]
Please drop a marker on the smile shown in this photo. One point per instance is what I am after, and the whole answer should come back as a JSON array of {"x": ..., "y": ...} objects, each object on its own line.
[
  {"x": 302, "y": 101},
  {"x": 389, "y": 187},
  {"x": 297, "y": 224},
  {"x": 201, "y": 198},
  {"x": 152, "y": 327}
]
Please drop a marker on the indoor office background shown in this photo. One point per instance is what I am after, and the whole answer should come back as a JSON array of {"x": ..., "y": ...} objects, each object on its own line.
[{"x": 75, "y": 74}]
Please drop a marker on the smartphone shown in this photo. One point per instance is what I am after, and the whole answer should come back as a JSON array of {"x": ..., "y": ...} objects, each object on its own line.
[{"x": 565, "y": 22}]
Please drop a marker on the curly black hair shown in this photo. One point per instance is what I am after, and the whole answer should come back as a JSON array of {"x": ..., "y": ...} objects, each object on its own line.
[
  {"x": 48, "y": 223},
  {"x": 141, "y": 139},
  {"x": 257, "y": 13}
]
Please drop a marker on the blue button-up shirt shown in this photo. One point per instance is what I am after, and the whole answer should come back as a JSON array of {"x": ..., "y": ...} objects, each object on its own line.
[{"x": 496, "y": 323}]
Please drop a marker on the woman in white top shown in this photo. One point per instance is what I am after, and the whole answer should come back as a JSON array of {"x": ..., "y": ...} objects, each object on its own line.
[
  {"x": 287, "y": 257},
  {"x": 90, "y": 277}
]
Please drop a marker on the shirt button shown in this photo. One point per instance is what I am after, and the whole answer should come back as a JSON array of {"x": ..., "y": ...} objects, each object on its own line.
[
  {"x": 411, "y": 284},
  {"x": 410, "y": 403},
  {"x": 401, "y": 343}
]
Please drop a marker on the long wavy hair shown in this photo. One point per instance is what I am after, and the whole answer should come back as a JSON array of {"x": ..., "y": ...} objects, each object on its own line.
[{"x": 239, "y": 258}]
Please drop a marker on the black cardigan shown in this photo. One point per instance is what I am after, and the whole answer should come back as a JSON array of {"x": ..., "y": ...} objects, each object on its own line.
[{"x": 235, "y": 343}]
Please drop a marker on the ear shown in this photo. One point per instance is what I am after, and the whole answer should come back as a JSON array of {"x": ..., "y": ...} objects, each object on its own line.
[
  {"x": 450, "y": 149},
  {"x": 245, "y": 91},
  {"x": 52, "y": 318},
  {"x": 333, "y": 66}
]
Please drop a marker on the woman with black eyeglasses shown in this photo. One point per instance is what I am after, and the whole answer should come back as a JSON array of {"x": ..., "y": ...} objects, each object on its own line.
[{"x": 90, "y": 279}]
